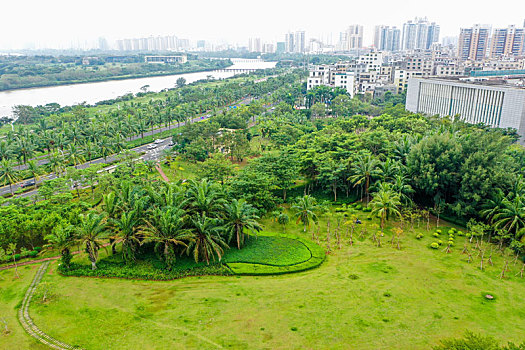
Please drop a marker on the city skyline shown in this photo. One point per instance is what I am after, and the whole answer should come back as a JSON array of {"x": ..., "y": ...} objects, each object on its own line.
[{"x": 62, "y": 26}]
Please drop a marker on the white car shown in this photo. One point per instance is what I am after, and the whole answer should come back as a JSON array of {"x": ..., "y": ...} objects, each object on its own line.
[
  {"x": 157, "y": 141},
  {"x": 152, "y": 146}
]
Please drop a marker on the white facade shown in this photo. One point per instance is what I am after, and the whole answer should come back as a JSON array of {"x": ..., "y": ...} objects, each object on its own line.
[
  {"x": 498, "y": 106},
  {"x": 372, "y": 60},
  {"x": 330, "y": 75},
  {"x": 402, "y": 76}
]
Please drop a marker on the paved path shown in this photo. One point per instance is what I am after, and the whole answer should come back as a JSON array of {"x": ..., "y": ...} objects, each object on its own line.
[
  {"x": 161, "y": 172},
  {"x": 27, "y": 322}
]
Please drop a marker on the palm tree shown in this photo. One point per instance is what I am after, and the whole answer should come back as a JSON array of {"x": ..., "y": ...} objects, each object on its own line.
[
  {"x": 75, "y": 155},
  {"x": 112, "y": 208},
  {"x": 363, "y": 170},
  {"x": 238, "y": 216},
  {"x": 62, "y": 239},
  {"x": 493, "y": 205},
  {"x": 127, "y": 226},
  {"x": 166, "y": 229},
  {"x": 56, "y": 163},
  {"x": 90, "y": 230},
  {"x": 511, "y": 217},
  {"x": 8, "y": 174},
  {"x": 207, "y": 240},
  {"x": 205, "y": 197},
  {"x": 305, "y": 210},
  {"x": 385, "y": 204}
]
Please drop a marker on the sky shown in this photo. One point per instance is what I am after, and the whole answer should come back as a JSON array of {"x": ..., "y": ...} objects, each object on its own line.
[{"x": 65, "y": 23}]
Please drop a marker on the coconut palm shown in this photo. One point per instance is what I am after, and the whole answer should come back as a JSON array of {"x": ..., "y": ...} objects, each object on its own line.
[
  {"x": 62, "y": 238},
  {"x": 511, "y": 217},
  {"x": 166, "y": 229},
  {"x": 385, "y": 203},
  {"x": 363, "y": 170},
  {"x": 8, "y": 174},
  {"x": 127, "y": 227},
  {"x": 305, "y": 210},
  {"x": 238, "y": 217},
  {"x": 205, "y": 197},
  {"x": 91, "y": 230},
  {"x": 34, "y": 170},
  {"x": 207, "y": 241},
  {"x": 493, "y": 205},
  {"x": 75, "y": 155}
]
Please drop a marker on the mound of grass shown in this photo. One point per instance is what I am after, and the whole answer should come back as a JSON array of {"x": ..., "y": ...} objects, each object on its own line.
[
  {"x": 277, "y": 254},
  {"x": 266, "y": 254}
]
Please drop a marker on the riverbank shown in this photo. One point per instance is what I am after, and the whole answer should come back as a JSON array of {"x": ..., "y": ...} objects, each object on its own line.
[{"x": 119, "y": 77}]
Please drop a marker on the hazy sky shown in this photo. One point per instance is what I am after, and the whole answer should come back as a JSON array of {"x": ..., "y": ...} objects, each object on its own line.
[{"x": 61, "y": 23}]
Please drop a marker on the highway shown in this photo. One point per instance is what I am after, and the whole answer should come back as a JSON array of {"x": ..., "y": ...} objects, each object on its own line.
[{"x": 149, "y": 154}]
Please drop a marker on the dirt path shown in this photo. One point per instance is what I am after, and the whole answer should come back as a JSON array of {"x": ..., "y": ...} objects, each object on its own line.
[{"x": 27, "y": 322}]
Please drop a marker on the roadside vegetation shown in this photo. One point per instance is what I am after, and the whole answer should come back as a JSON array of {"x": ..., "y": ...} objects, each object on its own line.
[{"x": 415, "y": 226}]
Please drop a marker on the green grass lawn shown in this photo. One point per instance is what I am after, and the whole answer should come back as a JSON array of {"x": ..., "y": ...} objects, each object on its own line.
[
  {"x": 361, "y": 297},
  {"x": 12, "y": 292}
]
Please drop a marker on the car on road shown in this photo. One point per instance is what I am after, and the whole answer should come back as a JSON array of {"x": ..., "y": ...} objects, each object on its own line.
[
  {"x": 152, "y": 146},
  {"x": 171, "y": 144},
  {"x": 157, "y": 141},
  {"x": 28, "y": 184}
]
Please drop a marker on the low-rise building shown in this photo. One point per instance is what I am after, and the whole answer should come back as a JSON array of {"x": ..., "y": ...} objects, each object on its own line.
[
  {"x": 166, "y": 59},
  {"x": 493, "y": 103}
]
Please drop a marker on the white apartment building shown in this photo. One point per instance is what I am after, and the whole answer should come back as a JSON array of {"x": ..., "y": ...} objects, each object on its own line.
[
  {"x": 372, "y": 60},
  {"x": 402, "y": 76},
  {"x": 329, "y": 75}
]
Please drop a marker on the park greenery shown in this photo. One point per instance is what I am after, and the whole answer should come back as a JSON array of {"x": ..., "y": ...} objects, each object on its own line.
[
  {"x": 422, "y": 220},
  {"x": 18, "y": 72}
]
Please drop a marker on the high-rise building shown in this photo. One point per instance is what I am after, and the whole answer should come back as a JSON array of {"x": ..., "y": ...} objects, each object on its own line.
[
  {"x": 281, "y": 47},
  {"x": 254, "y": 45},
  {"x": 473, "y": 42},
  {"x": 507, "y": 42},
  {"x": 300, "y": 42},
  {"x": 289, "y": 42},
  {"x": 419, "y": 34},
  {"x": 352, "y": 38},
  {"x": 387, "y": 38}
]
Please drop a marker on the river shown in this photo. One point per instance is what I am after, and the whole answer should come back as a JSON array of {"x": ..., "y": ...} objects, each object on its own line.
[{"x": 91, "y": 93}]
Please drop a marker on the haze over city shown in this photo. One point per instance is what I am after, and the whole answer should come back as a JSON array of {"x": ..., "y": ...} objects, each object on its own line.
[{"x": 64, "y": 24}]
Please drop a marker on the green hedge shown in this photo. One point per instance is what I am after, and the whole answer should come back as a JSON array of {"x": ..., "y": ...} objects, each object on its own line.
[
  {"x": 140, "y": 271},
  {"x": 264, "y": 267}
]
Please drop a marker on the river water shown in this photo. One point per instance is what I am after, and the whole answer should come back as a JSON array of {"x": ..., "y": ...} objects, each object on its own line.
[{"x": 91, "y": 93}]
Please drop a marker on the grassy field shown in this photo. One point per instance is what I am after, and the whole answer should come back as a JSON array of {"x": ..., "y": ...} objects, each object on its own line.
[{"x": 361, "y": 297}]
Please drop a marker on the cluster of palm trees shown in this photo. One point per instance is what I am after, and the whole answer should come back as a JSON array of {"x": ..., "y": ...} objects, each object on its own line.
[
  {"x": 197, "y": 218},
  {"x": 75, "y": 137},
  {"x": 506, "y": 213}
]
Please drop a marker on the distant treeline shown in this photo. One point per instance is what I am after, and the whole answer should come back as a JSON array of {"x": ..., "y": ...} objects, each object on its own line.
[{"x": 18, "y": 72}]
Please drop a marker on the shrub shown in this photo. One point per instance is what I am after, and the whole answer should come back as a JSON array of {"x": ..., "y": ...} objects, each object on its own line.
[
  {"x": 369, "y": 217},
  {"x": 436, "y": 234},
  {"x": 440, "y": 242},
  {"x": 359, "y": 207},
  {"x": 33, "y": 253},
  {"x": 468, "y": 234},
  {"x": 434, "y": 245},
  {"x": 38, "y": 249},
  {"x": 367, "y": 209},
  {"x": 451, "y": 243},
  {"x": 419, "y": 236},
  {"x": 18, "y": 256},
  {"x": 438, "y": 231},
  {"x": 460, "y": 233}
]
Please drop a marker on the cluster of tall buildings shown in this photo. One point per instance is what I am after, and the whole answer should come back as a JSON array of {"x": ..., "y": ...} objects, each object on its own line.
[
  {"x": 479, "y": 42},
  {"x": 418, "y": 34},
  {"x": 158, "y": 43},
  {"x": 295, "y": 42}
]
